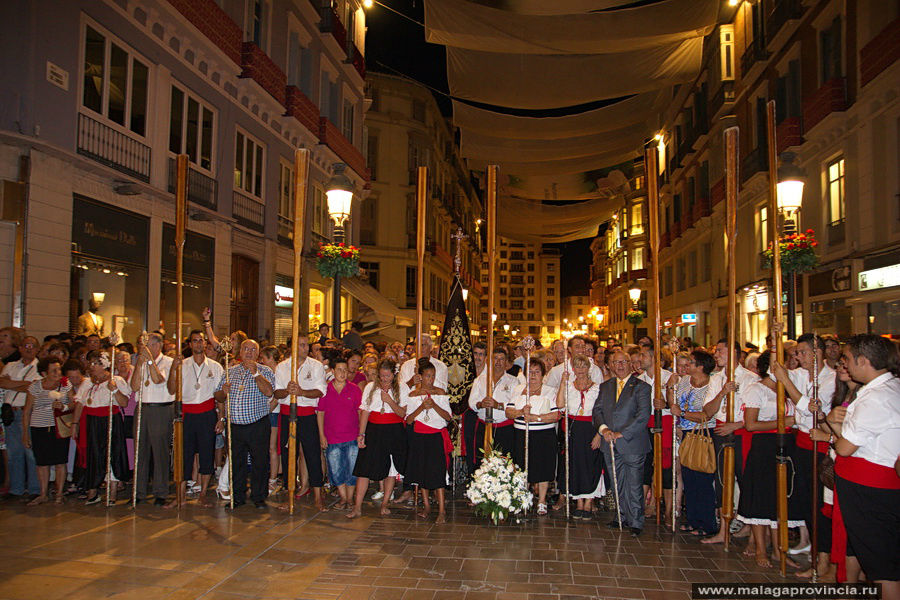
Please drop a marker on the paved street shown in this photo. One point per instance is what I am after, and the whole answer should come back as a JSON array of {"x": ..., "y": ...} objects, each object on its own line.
[{"x": 84, "y": 552}]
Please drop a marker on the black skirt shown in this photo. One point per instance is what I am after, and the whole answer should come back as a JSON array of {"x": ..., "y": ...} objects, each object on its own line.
[
  {"x": 872, "y": 519},
  {"x": 427, "y": 462},
  {"x": 585, "y": 464},
  {"x": 95, "y": 471},
  {"x": 48, "y": 449},
  {"x": 758, "y": 504},
  {"x": 384, "y": 442},
  {"x": 541, "y": 454}
]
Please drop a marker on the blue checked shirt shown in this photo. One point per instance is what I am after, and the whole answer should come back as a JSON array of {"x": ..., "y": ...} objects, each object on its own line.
[{"x": 248, "y": 405}]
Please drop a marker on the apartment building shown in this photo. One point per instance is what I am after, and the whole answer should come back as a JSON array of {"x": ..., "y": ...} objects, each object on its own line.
[
  {"x": 831, "y": 66},
  {"x": 406, "y": 130},
  {"x": 91, "y": 121}
]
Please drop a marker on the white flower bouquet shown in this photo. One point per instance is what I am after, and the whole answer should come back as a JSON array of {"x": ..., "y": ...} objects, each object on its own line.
[{"x": 499, "y": 488}]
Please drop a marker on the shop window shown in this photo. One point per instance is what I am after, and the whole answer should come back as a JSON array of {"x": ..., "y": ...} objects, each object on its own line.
[
  {"x": 191, "y": 128},
  {"x": 114, "y": 82},
  {"x": 199, "y": 253},
  {"x": 316, "y": 309}
]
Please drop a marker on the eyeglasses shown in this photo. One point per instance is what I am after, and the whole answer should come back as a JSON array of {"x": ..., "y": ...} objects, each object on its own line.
[{"x": 620, "y": 362}]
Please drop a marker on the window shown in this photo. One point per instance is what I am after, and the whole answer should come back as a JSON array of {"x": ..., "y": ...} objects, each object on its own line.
[
  {"x": 835, "y": 174},
  {"x": 418, "y": 111},
  {"x": 191, "y": 125},
  {"x": 551, "y": 317},
  {"x": 257, "y": 16},
  {"x": 667, "y": 280},
  {"x": 531, "y": 266},
  {"x": 679, "y": 274},
  {"x": 285, "y": 191},
  {"x": 372, "y": 156},
  {"x": 530, "y": 305},
  {"x": 551, "y": 267},
  {"x": 115, "y": 82},
  {"x": 762, "y": 228},
  {"x": 637, "y": 219},
  {"x": 503, "y": 254},
  {"x": 410, "y": 286},
  {"x": 371, "y": 272},
  {"x": 551, "y": 329},
  {"x": 347, "y": 120},
  {"x": 637, "y": 259},
  {"x": 249, "y": 161},
  {"x": 530, "y": 255},
  {"x": 531, "y": 279},
  {"x": 705, "y": 262},
  {"x": 726, "y": 51},
  {"x": 368, "y": 222},
  {"x": 503, "y": 304},
  {"x": 319, "y": 211},
  {"x": 830, "y": 41},
  {"x": 503, "y": 279},
  {"x": 529, "y": 292},
  {"x": 516, "y": 304},
  {"x": 692, "y": 269},
  {"x": 551, "y": 279}
]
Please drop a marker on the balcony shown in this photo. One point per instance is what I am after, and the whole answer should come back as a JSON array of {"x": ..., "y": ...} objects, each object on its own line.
[
  {"x": 687, "y": 218},
  {"x": 836, "y": 232},
  {"x": 355, "y": 57},
  {"x": 723, "y": 98},
  {"x": 665, "y": 239},
  {"x": 113, "y": 148},
  {"x": 880, "y": 53},
  {"x": 676, "y": 230},
  {"x": 332, "y": 137},
  {"x": 256, "y": 65},
  {"x": 285, "y": 230},
  {"x": 202, "y": 189},
  {"x": 755, "y": 53},
  {"x": 331, "y": 23},
  {"x": 831, "y": 97},
  {"x": 249, "y": 212},
  {"x": 701, "y": 209},
  {"x": 783, "y": 13},
  {"x": 717, "y": 192},
  {"x": 303, "y": 109},
  {"x": 753, "y": 163},
  {"x": 214, "y": 23},
  {"x": 789, "y": 133}
]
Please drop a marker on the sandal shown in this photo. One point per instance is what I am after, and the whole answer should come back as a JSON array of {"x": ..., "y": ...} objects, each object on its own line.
[
  {"x": 542, "y": 509},
  {"x": 686, "y": 528}
]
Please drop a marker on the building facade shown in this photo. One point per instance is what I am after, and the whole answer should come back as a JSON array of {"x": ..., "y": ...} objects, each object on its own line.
[
  {"x": 406, "y": 130},
  {"x": 831, "y": 67},
  {"x": 94, "y": 116}
]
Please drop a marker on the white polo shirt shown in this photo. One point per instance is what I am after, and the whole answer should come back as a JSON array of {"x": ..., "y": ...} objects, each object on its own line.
[
  {"x": 156, "y": 393},
  {"x": 873, "y": 421},
  {"x": 199, "y": 382},
  {"x": 503, "y": 391},
  {"x": 19, "y": 371},
  {"x": 310, "y": 376},
  {"x": 408, "y": 370}
]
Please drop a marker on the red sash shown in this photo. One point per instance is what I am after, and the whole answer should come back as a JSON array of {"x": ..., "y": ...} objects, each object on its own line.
[
  {"x": 578, "y": 418},
  {"x": 302, "y": 411},
  {"x": 197, "y": 409},
  {"x": 805, "y": 442},
  {"x": 448, "y": 445},
  {"x": 497, "y": 424},
  {"x": 863, "y": 472},
  {"x": 387, "y": 418}
]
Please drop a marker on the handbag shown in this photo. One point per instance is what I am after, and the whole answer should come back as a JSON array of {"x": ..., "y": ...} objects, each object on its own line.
[
  {"x": 7, "y": 415},
  {"x": 696, "y": 451},
  {"x": 826, "y": 472},
  {"x": 64, "y": 419}
]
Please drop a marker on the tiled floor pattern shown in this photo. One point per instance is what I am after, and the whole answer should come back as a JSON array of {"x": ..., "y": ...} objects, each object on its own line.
[{"x": 77, "y": 552}]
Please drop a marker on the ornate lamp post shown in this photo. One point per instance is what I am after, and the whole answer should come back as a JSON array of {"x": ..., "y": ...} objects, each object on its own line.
[
  {"x": 339, "y": 191},
  {"x": 790, "y": 200},
  {"x": 635, "y": 294}
]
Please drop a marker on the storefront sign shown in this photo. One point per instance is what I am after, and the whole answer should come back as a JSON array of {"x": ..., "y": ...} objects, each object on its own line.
[
  {"x": 110, "y": 233},
  {"x": 689, "y": 317},
  {"x": 284, "y": 297},
  {"x": 199, "y": 253},
  {"x": 876, "y": 279},
  {"x": 830, "y": 281}
]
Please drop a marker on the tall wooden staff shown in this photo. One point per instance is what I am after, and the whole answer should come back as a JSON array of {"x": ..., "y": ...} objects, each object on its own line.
[
  {"x": 675, "y": 442},
  {"x": 113, "y": 339},
  {"x": 567, "y": 425},
  {"x": 777, "y": 319},
  {"x": 301, "y": 179},
  {"x": 226, "y": 347},
  {"x": 731, "y": 193},
  {"x": 492, "y": 267},
  {"x": 814, "y": 541},
  {"x": 650, "y": 167},
  {"x": 421, "y": 198},
  {"x": 137, "y": 427},
  {"x": 181, "y": 183}
]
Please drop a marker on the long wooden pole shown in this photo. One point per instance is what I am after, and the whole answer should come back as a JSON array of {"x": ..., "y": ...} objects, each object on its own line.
[
  {"x": 732, "y": 180},
  {"x": 421, "y": 207},
  {"x": 775, "y": 295},
  {"x": 652, "y": 172},
  {"x": 181, "y": 189},
  {"x": 137, "y": 427},
  {"x": 491, "y": 215},
  {"x": 301, "y": 181},
  {"x": 110, "y": 497}
]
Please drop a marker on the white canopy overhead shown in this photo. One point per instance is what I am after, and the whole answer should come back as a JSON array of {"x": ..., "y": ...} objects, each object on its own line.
[
  {"x": 546, "y": 81},
  {"x": 462, "y": 24},
  {"x": 554, "y": 7},
  {"x": 529, "y": 221}
]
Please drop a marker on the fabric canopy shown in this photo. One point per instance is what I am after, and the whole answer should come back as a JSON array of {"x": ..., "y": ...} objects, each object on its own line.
[
  {"x": 537, "y": 81},
  {"x": 462, "y": 24},
  {"x": 553, "y": 7},
  {"x": 384, "y": 309},
  {"x": 641, "y": 108},
  {"x": 529, "y": 221}
]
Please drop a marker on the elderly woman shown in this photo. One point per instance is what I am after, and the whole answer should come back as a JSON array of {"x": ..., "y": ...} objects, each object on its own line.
[
  {"x": 92, "y": 414},
  {"x": 535, "y": 403},
  {"x": 39, "y": 431}
]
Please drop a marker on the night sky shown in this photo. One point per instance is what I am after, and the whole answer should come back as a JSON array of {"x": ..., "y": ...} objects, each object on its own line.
[{"x": 396, "y": 45}]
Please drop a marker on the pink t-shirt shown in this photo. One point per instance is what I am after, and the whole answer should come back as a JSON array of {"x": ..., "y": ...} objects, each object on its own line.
[
  {"x": 341, "y": 412},
  {"x": 358, "y": 377}
]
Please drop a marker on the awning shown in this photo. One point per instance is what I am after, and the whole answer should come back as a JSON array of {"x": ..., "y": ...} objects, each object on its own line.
[{"x": 383, "y": 308}]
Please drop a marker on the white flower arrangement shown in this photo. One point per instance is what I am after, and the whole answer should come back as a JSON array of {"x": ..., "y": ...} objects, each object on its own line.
[{"x": 498, "y": 488}]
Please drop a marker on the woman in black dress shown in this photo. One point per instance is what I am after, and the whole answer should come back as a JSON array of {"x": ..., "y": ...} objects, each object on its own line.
[{"x": 39, "y": 426}]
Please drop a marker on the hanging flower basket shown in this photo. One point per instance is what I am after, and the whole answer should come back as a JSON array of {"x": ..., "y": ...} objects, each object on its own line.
[
  {"x": 337, "y": 260},
  {"x": 798, "y": 252},
  {"x": 498, "y": 488},
  {"x": 635, "y": 316}
]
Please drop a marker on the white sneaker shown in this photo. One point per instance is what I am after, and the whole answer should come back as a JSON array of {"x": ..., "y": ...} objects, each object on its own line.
[
  {"x": 798, "y": 550},
  {"x": 378, "y": 495}
]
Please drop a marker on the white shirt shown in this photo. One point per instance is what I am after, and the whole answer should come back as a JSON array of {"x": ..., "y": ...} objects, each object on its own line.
[
  {"x": 540, "y": 405},
  {"x": 310, "y": 376},
  {"x": 580, "y": 403},
  {"x": 372, "y": 401},
  {"x": 503, "y": 391},
  {"x": 664, "y": 375},
  {"x": 408, "y": 370},
  {"x": 800, "y": 378},
  {"x": 199, "y": 382},
  {"x": 19, "y": 371},
  {"x": 743, "y": 378},
  {"x": 759, "y": 396},
  {"x": 429, "y": 417},
  {"x": 157, "y": 393},
  {"x": 98, "y": 395},
  {"x": 873, "y": 421},
  {"x": 554, "y": 377}
]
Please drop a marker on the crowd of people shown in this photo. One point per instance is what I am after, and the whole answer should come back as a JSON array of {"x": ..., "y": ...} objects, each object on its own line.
[{"x": 375, "y": 420}]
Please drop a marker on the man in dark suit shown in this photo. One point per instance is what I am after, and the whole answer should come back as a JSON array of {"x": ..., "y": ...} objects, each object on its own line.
[{"x": 620, "y": 415}]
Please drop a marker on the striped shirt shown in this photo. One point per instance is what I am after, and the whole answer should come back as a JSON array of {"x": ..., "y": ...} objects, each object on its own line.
[
  {"x": 42, "y": 409},
  {"x": 542, "y": 404},
  {"x": 247, "y": 404}
]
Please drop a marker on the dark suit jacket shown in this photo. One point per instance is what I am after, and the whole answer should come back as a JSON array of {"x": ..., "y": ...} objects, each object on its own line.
[{"x": 628, "y": 416}]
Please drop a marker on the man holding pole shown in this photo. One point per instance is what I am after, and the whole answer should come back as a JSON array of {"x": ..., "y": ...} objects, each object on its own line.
[{"x": 480, "y": 400}]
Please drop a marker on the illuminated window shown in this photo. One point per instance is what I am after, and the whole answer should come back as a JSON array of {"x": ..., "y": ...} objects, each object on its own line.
[
  {"x": 726, "y": 47},
  {"x": 835, "y": 174}
]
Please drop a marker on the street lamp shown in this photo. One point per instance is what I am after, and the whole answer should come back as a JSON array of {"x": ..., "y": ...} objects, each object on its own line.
[
  {"x": 635, "y": 294},
  {"x": 790, "y": 200},
  {"x": 506, "y": 328},
  {"x": 339, "y": 191}
]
